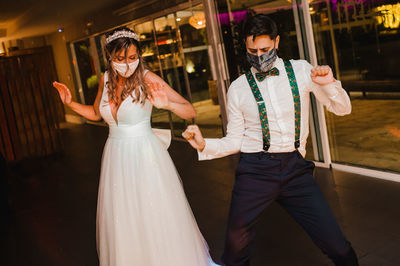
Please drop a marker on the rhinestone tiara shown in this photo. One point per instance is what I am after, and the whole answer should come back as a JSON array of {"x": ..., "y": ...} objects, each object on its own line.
[{"x": 122, "y": 34}]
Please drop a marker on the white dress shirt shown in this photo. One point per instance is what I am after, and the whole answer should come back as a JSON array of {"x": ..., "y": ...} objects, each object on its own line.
[{"x": 244, "y": 127}]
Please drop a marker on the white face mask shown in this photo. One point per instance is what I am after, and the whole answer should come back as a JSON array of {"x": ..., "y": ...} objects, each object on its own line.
[{"x": 124, "y": 70}]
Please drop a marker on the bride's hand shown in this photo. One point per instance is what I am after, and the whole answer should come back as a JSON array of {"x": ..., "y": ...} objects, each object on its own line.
[
  {"x": 64, "y": 92},
  {"x": 193, "y": 135},
  {"x": 158, "y": 97}
]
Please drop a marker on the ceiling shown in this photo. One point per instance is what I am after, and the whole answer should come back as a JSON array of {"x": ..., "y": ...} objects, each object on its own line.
[{"x": 26, "y": 18}]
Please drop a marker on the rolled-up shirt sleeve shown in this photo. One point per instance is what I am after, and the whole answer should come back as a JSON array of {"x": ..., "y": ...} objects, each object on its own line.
[
  {"x": 231, "y": 143},
  {"x": 332, "y": 95}
]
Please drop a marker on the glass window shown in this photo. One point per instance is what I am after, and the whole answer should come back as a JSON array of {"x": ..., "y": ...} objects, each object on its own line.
[
  {"x": 100, "y": 40},
  {"x": 160, "y": 118},
  {"x": 233, "y": 14},
  {"x": 203, "y": 89},
  {"x": 87, "y": 70},
  {"x": 360, "y": 40},
  {"x": 171, "y": 62},
  {"x": 175, "y": 47}
]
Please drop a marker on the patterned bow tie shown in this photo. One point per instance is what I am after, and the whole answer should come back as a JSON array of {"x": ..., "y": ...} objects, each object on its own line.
[{"x": 262, "y": 75}]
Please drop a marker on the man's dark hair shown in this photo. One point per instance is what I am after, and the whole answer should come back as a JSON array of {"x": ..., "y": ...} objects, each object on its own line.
[{"x": 260, "y": 24}]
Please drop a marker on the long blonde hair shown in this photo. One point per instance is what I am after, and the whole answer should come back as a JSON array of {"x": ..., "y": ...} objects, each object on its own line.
[{"x": 133, "y": 85}]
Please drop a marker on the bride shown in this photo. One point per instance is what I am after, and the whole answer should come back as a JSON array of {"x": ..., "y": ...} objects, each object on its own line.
[{"x": 143, "y": 217}]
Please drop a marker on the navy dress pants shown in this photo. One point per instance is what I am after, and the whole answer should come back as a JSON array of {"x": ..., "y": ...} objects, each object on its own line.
[{"x": 262, "y": 178}]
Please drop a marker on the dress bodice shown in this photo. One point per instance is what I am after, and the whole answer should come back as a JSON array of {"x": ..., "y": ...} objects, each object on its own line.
[{"x": 129, "y": 113}]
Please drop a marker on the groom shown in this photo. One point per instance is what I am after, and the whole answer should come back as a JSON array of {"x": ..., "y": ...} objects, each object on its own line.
[{"x": 268, "y": 110}]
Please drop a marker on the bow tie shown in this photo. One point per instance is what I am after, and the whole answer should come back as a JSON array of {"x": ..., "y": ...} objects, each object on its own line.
[{"x": 262, "y": 75}]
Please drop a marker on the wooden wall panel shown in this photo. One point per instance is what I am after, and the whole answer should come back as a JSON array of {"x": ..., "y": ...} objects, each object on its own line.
[{"x": 30, "y": 110}]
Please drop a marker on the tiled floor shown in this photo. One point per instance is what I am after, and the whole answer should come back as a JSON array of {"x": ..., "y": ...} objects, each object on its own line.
[{"x": 53, "y": 204}]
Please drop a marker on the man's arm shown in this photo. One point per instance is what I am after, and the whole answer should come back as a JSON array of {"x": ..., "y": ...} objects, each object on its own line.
[
  {"x": 216, "y": 148},
  {"x": 327, "y": 90}
]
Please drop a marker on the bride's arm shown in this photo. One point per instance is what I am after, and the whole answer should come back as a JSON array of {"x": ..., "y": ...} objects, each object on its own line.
[
  {"x": 164, "y": 97},
  {"x": 90, "y": 112}
]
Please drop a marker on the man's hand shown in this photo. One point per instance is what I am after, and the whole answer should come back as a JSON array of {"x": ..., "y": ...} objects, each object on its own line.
[
  {"x": 322, "y": 75},
  {"x": 193, "y": 135}
]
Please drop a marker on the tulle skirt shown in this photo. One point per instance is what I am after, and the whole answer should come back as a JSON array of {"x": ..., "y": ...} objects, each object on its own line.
[{"x": 143, "y": 217}]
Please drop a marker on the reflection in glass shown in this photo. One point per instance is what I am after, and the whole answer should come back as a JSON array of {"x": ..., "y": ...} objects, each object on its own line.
[
  {"x": 192, "y": 27},
  {"x": 159, "y": 118},
  {"x": 100, "y": 40},
  {"x": 87, "y": 70},
  {"x": 175, "y": 47},
  {"x": 360, "y": 39},
  {"x": 233, "y": 14},
  {"x": 170, "y": 58}
]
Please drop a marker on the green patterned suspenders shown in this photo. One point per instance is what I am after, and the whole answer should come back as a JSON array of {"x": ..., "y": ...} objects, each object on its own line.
[{"x": 263, "y": 112}]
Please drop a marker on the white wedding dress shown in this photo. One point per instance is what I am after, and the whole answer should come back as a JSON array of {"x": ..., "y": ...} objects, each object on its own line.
[{"x": 143, "y": 217}]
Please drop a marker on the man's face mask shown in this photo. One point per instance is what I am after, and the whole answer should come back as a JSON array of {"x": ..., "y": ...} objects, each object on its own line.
[{"x": 264, "y": 62}]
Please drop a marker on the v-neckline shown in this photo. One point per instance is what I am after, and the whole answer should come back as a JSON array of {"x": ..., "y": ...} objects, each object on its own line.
[{"x": 116, "y": 113}]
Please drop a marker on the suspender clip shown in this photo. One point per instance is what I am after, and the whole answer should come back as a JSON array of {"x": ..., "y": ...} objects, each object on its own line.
[
  {"x": 297, "y": 144},
  {"x": 266, "y": 147}
]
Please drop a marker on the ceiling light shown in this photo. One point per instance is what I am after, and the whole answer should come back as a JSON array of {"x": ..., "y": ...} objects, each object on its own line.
[
  {"x": 190, "y": 67},
  {"x": 388, "y": 15},
  {"x": 198, "y": 20}
]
